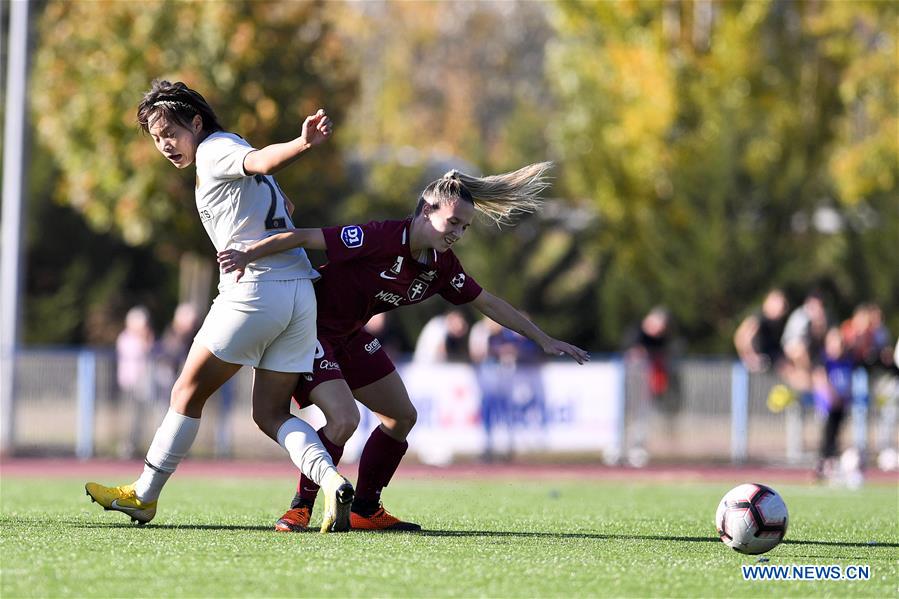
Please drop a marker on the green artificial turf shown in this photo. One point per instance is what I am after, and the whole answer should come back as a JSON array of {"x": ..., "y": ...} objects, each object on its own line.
[{"x": 509, "y": 538}]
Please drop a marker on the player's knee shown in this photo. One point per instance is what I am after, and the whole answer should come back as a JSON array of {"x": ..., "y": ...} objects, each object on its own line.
[
  {"x": 343, "y": 424},
  {"x": 265, "y": 421},
  {"x": 412, "y": 417},
  {"x": 184, "y": 399},
  {"x": 404, "y": 423}
]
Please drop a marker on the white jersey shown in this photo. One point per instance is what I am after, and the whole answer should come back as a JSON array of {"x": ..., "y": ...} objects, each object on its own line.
[{"x": 238, "y": 209}]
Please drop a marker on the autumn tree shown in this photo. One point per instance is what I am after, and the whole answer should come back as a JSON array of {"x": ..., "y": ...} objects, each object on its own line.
[
  {"x": 263, "y": 66},
  {"x": 709, "y": 137}
]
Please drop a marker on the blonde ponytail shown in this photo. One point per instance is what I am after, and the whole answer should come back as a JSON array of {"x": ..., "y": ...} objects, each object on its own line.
[{"x": 499, "y": 197}]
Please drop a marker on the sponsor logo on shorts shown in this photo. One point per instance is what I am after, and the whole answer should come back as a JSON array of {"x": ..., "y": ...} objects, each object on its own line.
[
  {"x": 458, "y": 281},
  {"x": 319, "y": 350},
  {"x": 205, "y": 215},
  {"x": 373, "y": 346},
  {"x": 328, "y": 365},
  {"x": 352, "y": 236},
  {"x": 417, "y": 289}
]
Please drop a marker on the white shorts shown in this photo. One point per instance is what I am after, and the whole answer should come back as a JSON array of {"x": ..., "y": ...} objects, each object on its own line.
[{"x": 264, "y": 324}]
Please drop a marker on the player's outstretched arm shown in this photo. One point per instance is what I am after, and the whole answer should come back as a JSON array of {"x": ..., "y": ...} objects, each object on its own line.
[
  {"x": 231, "y": 260},
  {"x": 504, "y": 313},
  {"x": 265, "y": 161}
]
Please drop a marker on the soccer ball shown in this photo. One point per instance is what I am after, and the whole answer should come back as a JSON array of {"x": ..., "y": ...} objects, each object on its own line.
[{"x": 751, "y": 519}]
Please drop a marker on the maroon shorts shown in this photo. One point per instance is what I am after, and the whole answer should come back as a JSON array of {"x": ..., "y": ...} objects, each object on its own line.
[{"x": 358, "y": 359}]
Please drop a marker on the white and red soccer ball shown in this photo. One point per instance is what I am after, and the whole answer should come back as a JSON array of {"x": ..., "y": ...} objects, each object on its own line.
[{"x": 751, "y": 518}]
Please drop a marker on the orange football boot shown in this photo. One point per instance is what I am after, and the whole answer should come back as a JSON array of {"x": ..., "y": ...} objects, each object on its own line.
[
  {"x": 381, "y": 520},
  {"x": 295, "y": 520}
]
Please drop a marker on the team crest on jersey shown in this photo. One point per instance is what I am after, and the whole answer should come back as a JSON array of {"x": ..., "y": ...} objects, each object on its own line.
[
  {"x": 429, "y": 275},
  {"x": 416, "y": 290},
  {"x": 458, "y": 281},
  {"x": 351, "y": 236}
]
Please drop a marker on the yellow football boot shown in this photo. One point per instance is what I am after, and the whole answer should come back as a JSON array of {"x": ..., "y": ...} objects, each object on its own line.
[
  {"x": 338, "y": 501},
  {"x": 122, "y": 499}
]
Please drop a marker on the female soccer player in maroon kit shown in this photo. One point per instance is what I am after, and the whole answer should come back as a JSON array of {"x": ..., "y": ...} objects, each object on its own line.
[{"x": 377, "y": 267}]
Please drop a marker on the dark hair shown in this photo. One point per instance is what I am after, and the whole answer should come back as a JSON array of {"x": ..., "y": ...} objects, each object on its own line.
[
  {"x": 498, "y": 197},
  {"x": 176, "y": 103}
]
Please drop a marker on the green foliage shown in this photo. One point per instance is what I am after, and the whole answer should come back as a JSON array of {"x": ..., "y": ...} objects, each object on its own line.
[
  {"x": 454, "y": 85},
  {"x": 263, "y": 66},
  {"x": 696, "y": 143},
  {"x": 80, "y": 284},
  {"x": 705, "y": 140}
]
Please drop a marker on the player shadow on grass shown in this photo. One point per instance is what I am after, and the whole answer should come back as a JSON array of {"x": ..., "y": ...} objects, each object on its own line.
[
  {"x": 484, "y": 533},
  {"x": 626, "y": 537},
  {"x": 237, "y": 527}
]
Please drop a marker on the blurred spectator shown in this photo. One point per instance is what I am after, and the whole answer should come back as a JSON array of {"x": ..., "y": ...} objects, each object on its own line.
[
  {"x": 833, "y": 396},
  {"x": 652, "y": 347},
  {"x": 392, "y": 339},
  {"x": 134, "y": 346},
  {"x": 512, "y": 394},
  {"x": 757, "y": 339},
  {"x": 870, "y": 345},
  {"x": 479, "y": 339},
  {"x": 649, "y": 356},
  {"x": 174, "y": 345},
  {"x": 867, "y": 338},
  {"x": 888, "y": 390},
  {"x": 443, "y": 339},
  {"x": 803, "y": 342},
  {"x": 489, "y": 340}
]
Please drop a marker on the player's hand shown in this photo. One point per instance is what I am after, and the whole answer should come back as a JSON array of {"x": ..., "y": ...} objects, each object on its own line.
[
  {"x": 554, "y": 347},
  {"x": 317, "y": 128},
  {"x": 231, "y": 260}
]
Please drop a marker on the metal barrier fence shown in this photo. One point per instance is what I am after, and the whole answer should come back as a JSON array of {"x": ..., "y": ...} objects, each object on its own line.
[{"x": 67, "y": 402}]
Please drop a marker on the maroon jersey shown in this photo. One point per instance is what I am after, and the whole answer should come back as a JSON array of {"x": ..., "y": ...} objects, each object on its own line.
[{"x": 371, "y": 270}]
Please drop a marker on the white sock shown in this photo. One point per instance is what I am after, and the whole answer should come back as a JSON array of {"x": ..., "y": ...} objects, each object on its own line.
[
  {"x": 306, "y": 449},
  {"x": 170, "y": 444}
]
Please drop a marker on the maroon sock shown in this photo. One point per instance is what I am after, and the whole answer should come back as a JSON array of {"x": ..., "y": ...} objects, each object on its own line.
[
  {"x": 307, "y": 489},
  {"x": 380, "y": 459}
]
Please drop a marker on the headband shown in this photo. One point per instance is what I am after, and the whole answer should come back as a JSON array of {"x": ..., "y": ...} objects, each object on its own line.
[{"x": 172, "y": 104}]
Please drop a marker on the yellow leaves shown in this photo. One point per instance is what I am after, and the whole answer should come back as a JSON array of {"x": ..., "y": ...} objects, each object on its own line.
[
  {"x": 762, "y": 154},
  {"x": 868, "y": 167},
  {"x": 96, "y": 59},
  {"x": 241, "y": 39},
  {"x": 267, "y": 110}
]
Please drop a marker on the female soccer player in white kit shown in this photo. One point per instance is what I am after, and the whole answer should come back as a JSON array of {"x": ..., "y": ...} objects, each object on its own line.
[{"x": 266, "y": 320}]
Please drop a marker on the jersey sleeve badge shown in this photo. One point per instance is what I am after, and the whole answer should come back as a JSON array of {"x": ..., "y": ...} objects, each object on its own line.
[
  {"x": 352, "y": 236},
  {"x": 458, "y": 281}
]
